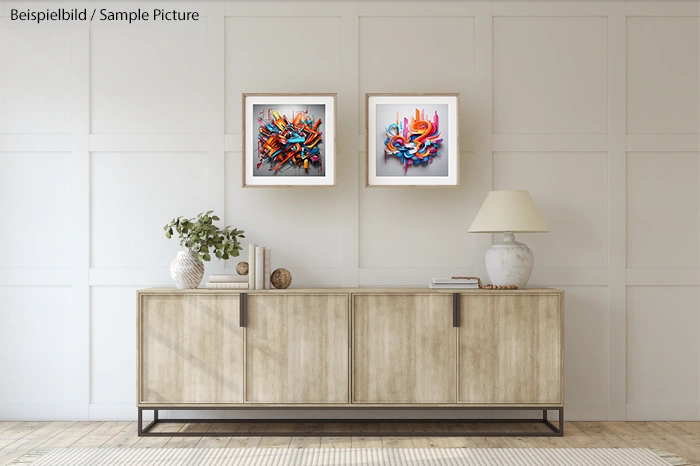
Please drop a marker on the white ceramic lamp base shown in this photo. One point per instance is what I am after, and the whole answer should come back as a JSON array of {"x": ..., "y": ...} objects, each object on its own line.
[{"x": 509, "y": 262}]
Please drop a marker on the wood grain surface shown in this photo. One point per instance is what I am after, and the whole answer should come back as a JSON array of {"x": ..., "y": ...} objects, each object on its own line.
[
  {"x": 297, "y": 348},
  {"x": 511, "y": 349},
  {"x": 403, "y": 349},
  {"x": 190, "y": 349}
]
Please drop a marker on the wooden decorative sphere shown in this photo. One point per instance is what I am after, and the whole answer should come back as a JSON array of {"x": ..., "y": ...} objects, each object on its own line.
[
  {"x": 281, "y": 279},
  {"x": 242, "y": 268}
]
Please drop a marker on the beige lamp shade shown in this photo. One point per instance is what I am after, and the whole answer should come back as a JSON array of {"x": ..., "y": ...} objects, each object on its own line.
[{"x": 513, "y": 211}]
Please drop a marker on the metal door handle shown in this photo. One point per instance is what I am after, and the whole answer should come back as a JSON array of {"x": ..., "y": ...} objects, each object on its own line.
[
  {"x": 456, "y": 314},
  {"x": 243, "y": 309}
]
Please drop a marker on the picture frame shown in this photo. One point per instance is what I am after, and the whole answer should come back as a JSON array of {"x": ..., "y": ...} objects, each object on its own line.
[
  {"x": 396, "y": 156},
  {"x": 297, "y": 144}
]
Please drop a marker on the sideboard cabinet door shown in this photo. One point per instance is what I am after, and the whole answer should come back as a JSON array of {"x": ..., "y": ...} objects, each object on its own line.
[
  {"x": 297, "y": 348},
  {"x": 511, "y": 349},
  {"x": 403, "y": 349},
  {"x": 190, "y": 349}
]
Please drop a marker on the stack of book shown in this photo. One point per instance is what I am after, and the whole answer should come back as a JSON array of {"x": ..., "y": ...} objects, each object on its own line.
[
  {"x": 454, "y": 283},
  {"x": 259, "y": 267},
  {"x": 228, "y": 282}
]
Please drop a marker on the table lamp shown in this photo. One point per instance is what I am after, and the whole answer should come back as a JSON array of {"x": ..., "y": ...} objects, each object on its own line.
[{"x": 509, "y": 212}]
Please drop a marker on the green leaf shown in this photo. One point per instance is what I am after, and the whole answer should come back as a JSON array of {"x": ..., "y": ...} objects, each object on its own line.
[
  {"x": 206, "y": 257},
  {"x": 215, "y": 218}
]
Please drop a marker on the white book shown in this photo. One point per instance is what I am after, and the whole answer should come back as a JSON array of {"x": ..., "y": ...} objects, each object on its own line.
[
  {"x": 227, "y": 278},
  {"x": 268, "y": 270},
  {"x": 455, "y": 280},
  {"x": 251, "y": 266},
  {"x": 227, "y": 286},
  {"x": 456, "y": 286},
  {"x": 260, "y": 268}
]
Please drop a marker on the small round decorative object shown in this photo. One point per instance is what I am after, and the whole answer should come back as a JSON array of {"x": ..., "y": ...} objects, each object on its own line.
[
  {"x": 242, "y": 268},
  {"x": 281, "y": 279}
]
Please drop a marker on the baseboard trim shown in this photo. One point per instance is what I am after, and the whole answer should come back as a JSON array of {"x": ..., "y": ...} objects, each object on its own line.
[
  {"x": 43, "y": 412},
  {"x": 115, "y": 412},
  {"x": 663, "y": 411},
  {"x": 582, "y": 411}
]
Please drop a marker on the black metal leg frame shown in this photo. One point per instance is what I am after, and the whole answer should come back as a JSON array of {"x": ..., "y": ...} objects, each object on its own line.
[{"x": 555, "y": 431}]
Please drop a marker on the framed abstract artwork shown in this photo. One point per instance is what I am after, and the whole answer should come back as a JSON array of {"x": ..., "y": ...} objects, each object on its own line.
[
  {"x": 289, "y": 140},
  {"x": 412, "y": 140}
]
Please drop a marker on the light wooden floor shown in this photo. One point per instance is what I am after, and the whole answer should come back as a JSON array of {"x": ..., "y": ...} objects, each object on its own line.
[{"x": 19, "y": 438}]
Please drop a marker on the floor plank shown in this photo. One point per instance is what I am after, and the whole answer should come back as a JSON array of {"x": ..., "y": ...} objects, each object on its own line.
[
  {"x": 277, "y": 442},
  {"x": 6, "y": 425},
  {"x": 124, "y": 439},
  {"x": 72, "y": 434},
  {"x": 397, "y": 442},
  {"x": 247, "y": 442},
  {"x": 218, "y": 442},
  {"x": 19, "y": 438},
  {"x": 337, "y": 442},
  {"x": 101, "y": 435},
  {"x": 305, "y": 440},
  {"x": 366, "y": 442},
  {"x": 32, "y": 440}
]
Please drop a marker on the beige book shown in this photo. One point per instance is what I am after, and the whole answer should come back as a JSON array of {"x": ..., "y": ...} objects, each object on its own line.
[
  {"x": 268, "y": 270},
  {"x": 251, "y": 266}
]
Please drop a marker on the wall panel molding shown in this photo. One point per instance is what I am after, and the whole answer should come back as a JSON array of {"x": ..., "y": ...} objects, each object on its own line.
[
  {"x": 663, "y": 143},
  {"x": 216, "y": 115},
  {"x": 550, "y": 142},
  {"x": 349, "y": 176},
  {"x": 482, "y": 181},
  {"x": 663, "y": 8},
  {"x": 282, "y": 8},
  {"x": 617, "y": 208},
  {"x": 80, "y": 74},
  {"x": 547, "y": 8},
  {"x": 148, "y": 142},
  {"x": 417, "y": 9}
]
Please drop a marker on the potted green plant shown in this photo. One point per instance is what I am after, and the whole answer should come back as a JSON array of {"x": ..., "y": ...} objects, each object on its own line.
[{"x": 200, "y": 238}]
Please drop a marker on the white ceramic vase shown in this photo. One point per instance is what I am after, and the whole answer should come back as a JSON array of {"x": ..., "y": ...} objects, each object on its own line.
[
  {"x": 509, "y": 262},
  {"x": 187, "y": 270}
]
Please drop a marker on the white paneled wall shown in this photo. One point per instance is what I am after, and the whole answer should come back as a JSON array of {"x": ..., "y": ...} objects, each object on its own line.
[{"x": 107, "y": 133}]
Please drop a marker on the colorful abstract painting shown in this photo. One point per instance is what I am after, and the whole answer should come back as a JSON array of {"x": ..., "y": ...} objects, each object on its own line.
[
  {"x": 412, "y": 140},
  {"x": 415, "y": 141},
  {"x": 289, "y": 140}
]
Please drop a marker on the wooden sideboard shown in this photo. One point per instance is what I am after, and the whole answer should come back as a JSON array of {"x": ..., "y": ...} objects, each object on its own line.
[{"x": 350, "y": 348}]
